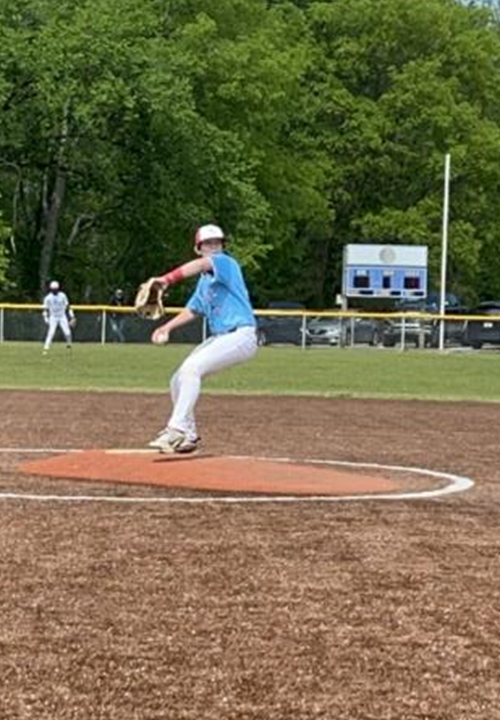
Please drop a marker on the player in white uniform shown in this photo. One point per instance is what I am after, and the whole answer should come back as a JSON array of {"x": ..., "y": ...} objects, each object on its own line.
[
  {"x": 57, "y": 313},
  {"x": 221, "y": 296}
]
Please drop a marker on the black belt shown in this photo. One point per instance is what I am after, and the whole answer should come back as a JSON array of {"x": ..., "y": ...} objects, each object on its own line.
[{"x": 233, "y": 329}]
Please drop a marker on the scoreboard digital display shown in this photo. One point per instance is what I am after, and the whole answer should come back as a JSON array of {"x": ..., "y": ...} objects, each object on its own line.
[{"x": 390, "y": 271}]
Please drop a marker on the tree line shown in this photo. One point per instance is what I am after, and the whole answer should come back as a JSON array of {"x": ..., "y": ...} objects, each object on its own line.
[{"x": 299, "y": 127}]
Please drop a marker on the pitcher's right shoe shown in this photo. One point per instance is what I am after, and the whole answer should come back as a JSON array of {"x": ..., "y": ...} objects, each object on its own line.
[{"x": 171, "y": 440}]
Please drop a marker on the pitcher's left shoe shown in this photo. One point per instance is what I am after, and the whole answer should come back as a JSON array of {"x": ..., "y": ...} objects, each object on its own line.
[{"x": 171, "y": 440}]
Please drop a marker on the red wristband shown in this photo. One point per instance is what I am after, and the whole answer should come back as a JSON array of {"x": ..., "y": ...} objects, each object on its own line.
[{"x": 174, "y": 276}]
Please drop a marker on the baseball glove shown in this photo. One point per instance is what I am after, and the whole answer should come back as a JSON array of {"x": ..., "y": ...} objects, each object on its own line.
[{"x": 148, "y": 302}]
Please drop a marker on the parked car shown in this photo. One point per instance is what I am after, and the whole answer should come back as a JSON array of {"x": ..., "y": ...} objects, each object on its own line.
[
  {"x": 481, "y": 332},
  {"x": 433, "y": 301},
  {"x": 424, "y": 332},
  {"x": 413, "y": 329},
  {"x": 454, "y": 330},
  {"x": 339, "y": 331},
  {"x": 281, "y": 328}
]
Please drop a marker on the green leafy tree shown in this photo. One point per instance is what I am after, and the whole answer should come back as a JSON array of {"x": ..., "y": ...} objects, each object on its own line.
[
  {"x": 403, "y": 84},
  {"x": 250, "y": 160},
  {"x": 298, "y": 126},
  {"x": 129, "y": 123},
  {"x": 65, "y": 88}
]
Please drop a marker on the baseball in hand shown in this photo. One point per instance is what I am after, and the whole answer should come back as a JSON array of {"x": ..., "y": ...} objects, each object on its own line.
[{"x": 160, "y": 335}]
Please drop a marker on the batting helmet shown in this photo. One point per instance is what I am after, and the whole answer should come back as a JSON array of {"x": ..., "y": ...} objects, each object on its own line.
[{"x": 54, "y": 285}]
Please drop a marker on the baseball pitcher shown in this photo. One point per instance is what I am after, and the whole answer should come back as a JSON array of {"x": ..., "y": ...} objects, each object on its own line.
[{"x": 221, "y": 296}]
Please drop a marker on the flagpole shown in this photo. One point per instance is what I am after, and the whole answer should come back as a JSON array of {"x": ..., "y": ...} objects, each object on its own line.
[{"x": 444, "y": 248}]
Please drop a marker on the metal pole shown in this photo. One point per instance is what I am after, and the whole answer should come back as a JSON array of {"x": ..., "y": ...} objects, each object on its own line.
[
  {"x": 444, "y": 249},
  {"x": 344, "y": 307},
  {"x": 103, "y": 328}
]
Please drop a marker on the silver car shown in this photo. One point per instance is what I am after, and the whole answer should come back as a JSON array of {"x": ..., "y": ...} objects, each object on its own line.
[{"x": 341, "y": 331}]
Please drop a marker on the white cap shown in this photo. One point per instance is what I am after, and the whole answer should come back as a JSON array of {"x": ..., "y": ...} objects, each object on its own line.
[
  {"x": 208, "y": 232},
  {"x": 54, "y": 285}
]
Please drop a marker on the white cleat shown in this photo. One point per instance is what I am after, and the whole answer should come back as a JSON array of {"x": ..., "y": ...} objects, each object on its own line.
[{"x": 170, "y": 440}]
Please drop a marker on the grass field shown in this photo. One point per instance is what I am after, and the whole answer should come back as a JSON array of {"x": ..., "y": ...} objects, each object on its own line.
[{"x": 377, "y": 373}]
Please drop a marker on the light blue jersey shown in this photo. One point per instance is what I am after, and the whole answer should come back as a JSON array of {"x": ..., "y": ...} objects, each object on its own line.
[{"x": 222, "y": 297}]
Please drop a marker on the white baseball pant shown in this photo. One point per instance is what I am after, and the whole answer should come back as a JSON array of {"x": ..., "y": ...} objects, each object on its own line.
[
  {"x": 215, "y": 354},
  {"x": 54, "y": 323}
]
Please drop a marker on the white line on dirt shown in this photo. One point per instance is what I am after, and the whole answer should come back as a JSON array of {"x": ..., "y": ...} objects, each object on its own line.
[
  {"x": 34, "y": 451},
  {"x": 456, "y": 484}
]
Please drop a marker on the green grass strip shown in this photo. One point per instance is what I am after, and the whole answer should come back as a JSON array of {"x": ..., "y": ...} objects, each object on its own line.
[{"x": 329, "y": 372}]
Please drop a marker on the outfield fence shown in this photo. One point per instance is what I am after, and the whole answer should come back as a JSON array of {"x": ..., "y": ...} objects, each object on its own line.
[
  {"x": 107, "y": 324},
  {"x": 94, "y": 324}
]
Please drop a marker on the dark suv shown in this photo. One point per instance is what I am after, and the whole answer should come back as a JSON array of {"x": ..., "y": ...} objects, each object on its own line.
[
  {"x": 454, "y": 330},
  {"x": 481, "y": 332},
  {"x": 281, "y": 328}
]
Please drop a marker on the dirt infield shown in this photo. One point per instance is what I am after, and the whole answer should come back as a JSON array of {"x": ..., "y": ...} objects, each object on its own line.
[{"x": 349, "y": 611}]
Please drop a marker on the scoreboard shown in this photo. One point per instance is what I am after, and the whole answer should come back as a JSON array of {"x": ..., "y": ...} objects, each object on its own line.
[{"x": 385, "y": 271}]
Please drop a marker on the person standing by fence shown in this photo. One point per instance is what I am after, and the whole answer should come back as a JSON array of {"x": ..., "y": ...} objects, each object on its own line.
[
  {"x": 57, "y": 312},
  {"x": 116, "y": 319}
]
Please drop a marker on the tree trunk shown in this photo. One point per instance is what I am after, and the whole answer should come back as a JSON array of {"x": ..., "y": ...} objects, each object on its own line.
[{"x": 53, "y": 211}]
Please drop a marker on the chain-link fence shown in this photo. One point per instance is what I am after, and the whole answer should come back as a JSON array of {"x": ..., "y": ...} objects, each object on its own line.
[
  {"x": 106, "y": 324},
  {"x": 93, "y": 325}
]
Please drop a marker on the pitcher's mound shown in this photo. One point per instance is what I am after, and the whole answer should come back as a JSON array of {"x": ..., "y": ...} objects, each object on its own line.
[{"x": 203, "y": 472}]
